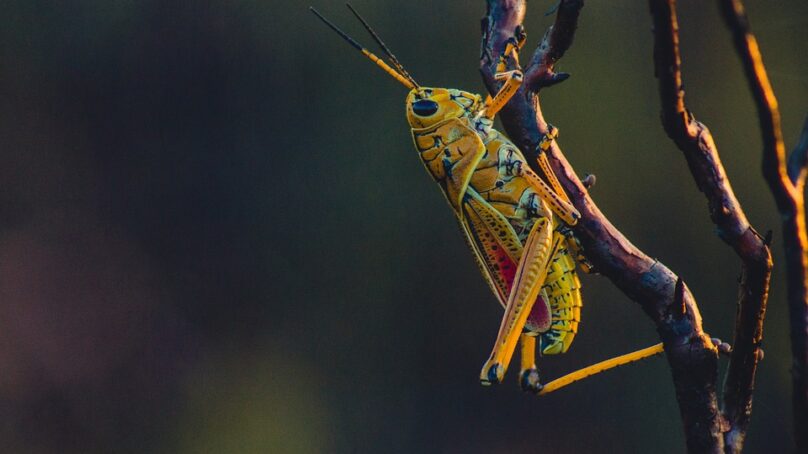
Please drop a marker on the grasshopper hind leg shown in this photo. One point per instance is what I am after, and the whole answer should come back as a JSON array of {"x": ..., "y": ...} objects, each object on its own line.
[
  {"x": 523, "y": 297},
  {"x": 562, "y": 291}
]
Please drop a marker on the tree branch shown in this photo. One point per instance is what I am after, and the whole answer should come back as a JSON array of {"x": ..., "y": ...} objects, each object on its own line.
[
  {"x": 795, "y": 244},
  {"x": 690, "y": 353},
  {"x": 558, "y": 38},
  {"x": 696, "y": 143},
  {"x": 798, "y": 160},
  {"x": 787, "y": 187},
  {"x": 774, "y": 151}
]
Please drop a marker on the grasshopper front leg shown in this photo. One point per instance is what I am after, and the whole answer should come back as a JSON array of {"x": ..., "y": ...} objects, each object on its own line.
[
  {"x": 512, "y": 79},
  {"x": 492, "y": 106},
  {"x": 530, "y": 275}
]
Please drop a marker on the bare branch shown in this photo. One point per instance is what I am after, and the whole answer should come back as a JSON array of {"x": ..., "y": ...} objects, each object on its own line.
[
  {"x": 667, "y": 62},
  {"x": 558, "y": 38},
  {"x": 786, "y": 184},
  {"x": 690, "y": 352},
  {"x": 774, "y": 151},
  {"x": 693, "y": 137},
  {"x": 696, "y": 143},
  {"x": 798, "y": 160}
]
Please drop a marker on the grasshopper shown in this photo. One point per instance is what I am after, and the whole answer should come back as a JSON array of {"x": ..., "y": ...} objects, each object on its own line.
[{"x": 517, "y": 225}]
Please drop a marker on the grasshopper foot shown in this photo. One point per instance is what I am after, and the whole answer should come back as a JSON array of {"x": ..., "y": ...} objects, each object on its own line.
[
  {"x": 723, "y": 347},
  {"x": 492, "y": 374},
  {"x": 529, "y": 381}
]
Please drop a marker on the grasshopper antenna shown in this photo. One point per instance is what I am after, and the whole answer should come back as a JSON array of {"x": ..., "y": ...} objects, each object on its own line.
[
  {"x": 379, "y": 62},
  {"x": 384, "y": 47}
]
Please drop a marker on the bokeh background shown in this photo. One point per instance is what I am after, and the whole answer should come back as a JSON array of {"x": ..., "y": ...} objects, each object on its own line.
[{"x": 215, "y": 235}]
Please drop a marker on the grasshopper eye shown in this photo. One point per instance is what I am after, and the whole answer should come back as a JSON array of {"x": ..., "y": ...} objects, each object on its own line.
[{"x": 424, "y": 107}]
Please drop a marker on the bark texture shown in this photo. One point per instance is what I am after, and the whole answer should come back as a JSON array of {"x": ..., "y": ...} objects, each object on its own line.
[
  {"x": 696, "y": 143},
  {"x": 786, "y": 180},
  {"x": 664, "y": 297}
]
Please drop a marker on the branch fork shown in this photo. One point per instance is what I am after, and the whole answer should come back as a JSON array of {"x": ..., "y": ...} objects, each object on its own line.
[{"x": 665, "y": 298}]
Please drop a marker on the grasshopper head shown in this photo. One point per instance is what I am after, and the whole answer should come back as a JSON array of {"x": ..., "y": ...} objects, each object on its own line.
[{"x": 428, "y": 106}]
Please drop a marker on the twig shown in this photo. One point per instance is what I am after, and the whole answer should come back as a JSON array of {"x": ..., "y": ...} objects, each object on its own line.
[
  {"x": 798, "y": 160},
  {"x": 787, "y": 185},
  {"x": 555, "y": 43},
  {"x": 690, "y": 352},
  {"x": 696, "y": 143},
  {"x": 774, "y": 151}
]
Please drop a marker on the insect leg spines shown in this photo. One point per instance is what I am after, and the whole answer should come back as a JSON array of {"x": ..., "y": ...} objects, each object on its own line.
[
  {"x": 602, "y": 366},
  {"x": 561, "y": 207},
  {"x": 544, "y": 163}
]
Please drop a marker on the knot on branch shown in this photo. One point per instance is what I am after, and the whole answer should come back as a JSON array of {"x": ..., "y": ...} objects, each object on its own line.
[
  {"x": 589, "y": 180},
  {"x": 679, "y": 307},
  {"x": 540, "y": 78}
]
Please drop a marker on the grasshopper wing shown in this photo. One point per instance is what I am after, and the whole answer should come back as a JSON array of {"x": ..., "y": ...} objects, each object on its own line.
[{"x": 494, "y": 243}]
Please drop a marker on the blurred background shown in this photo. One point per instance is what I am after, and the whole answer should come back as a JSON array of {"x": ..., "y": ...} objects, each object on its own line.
[{"x": 215, "y": 235}]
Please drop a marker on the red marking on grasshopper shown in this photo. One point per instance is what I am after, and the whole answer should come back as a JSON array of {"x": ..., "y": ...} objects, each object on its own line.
[{"x": 506, "y": 268}]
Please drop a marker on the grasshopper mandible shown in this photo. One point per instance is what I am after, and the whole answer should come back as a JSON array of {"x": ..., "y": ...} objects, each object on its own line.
[{"x": 516, "y": 224}]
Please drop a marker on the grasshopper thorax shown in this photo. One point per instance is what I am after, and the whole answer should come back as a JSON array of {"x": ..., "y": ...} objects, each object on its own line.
[{"x": 428, "y": 106}]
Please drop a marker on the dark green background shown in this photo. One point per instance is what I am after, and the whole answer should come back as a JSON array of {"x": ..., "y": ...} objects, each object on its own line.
[{"x": 215, "y": 235}]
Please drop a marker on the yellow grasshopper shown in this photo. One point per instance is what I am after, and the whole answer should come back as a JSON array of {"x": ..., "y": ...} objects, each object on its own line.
[{"x": 516, "y": 224}]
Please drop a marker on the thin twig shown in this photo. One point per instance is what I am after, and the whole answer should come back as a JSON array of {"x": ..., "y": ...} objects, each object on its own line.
[
  {"x": 696, "y": 143},
  {"x": 774, "y": 150},
  {"x": 690, "y": 352},
  {"x": 787, "y": 187},
  {"x": 540, "y": 72},
  {"x": 798, "y": 160}
]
